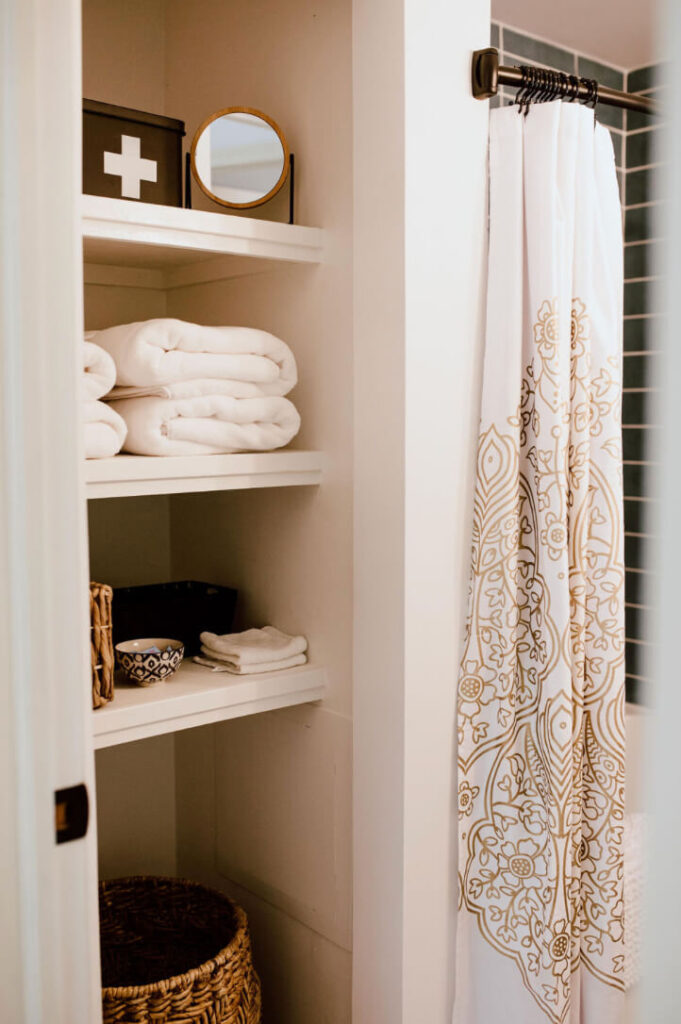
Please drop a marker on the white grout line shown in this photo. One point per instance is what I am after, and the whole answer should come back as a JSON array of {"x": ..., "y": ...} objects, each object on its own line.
[
  {"x": 643, "y": 167},
  {"x": 646, "y": 128},
  {"x": 639, "y": 206}
]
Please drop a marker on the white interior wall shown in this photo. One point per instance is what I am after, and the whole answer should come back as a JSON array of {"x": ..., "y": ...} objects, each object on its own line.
[
  {"x": 136, "y": 808},
  {"x": 618, "y": 32},
  {"x": 124, "y": 53},
  {"x": 277, "y": 826}
]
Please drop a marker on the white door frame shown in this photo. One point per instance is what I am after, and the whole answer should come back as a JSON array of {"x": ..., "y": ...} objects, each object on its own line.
[
  {"x": 420, "y": 149},
  {"x": 49, "y": 972}
]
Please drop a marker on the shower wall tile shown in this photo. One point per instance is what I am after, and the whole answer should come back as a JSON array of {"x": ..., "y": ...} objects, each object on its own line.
[
  {"x": 635, "y": 485},
  {"x": 639, "y": 371},
  {"x": 635, "y": 587},
  {"x": 636, "y": 409},
  {"x": 640, "y": 148},
  {"x": 638, "y": 121},
  {"x": 613, "y": 78},
  {"x": 638, "y": 624},
  {"x": 635, "y": 297},
  {"x": 639, "y": 405},
  {"x": 637, "y": 514},
  {"x": 611, "y": 116},
  {"x": 538, "y": 52},
  {"x": 634, "y": 444},
  {"x": 640, "y": 259},
  {"x": 494, "y": 35},
  {"x": 637, "y": 334},
  {"x": 640, "y": 186},
  {"x": 642, "y": 79},
  {"x": 639, "y": 223}
]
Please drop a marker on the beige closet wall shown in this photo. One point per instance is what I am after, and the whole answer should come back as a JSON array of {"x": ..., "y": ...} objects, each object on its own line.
[
  {"x": 124, "y": 63},
  {"x": 262, "y": 806},
  {"x": 272, "y": 801}
]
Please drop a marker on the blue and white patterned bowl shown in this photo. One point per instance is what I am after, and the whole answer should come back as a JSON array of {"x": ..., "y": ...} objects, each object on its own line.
[{"x": 145, "y": 667}]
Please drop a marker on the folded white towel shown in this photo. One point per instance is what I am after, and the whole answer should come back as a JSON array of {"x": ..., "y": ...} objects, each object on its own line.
[
  {"x": 104, "y": 430},
  {"x": 220, "y": 665},
  {"x": 207, "y": 425},
  {"x": 165, "y": 351},
  {"x": 191, "y": 389},
  {"x": 99, "y": 372},
  {"x": 254, "y": 646}
]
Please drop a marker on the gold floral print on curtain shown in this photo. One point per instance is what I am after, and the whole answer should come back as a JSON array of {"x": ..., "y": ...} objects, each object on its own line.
[{"x": 540, "y": 710}]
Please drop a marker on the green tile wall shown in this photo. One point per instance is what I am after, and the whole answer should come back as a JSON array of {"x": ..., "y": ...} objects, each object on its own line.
[{"x": 641, "y": 252}]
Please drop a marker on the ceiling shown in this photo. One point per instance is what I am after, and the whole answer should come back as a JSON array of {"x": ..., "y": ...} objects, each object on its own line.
[{"x": 619, "y": 32}]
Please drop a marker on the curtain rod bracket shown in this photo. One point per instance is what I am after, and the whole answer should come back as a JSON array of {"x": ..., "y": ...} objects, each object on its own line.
[
  {"x": 487, "y": 75},
  {"x": 485, "y": 70}
]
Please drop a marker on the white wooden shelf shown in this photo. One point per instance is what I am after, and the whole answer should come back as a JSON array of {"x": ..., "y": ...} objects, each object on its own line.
[
  {"x": 195, "y": 695},
  {"x": 143, "y": 244},
  {"x": 129, "y": 475}
]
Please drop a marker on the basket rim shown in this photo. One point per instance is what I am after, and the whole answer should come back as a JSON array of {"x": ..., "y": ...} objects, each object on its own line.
[{"x": 205, "y": 969}]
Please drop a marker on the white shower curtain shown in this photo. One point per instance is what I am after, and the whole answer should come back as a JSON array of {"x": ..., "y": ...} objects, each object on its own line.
[{"x": 540, "y": 698}]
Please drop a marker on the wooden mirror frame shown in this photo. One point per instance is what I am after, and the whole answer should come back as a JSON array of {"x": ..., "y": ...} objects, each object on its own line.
[{"x": 255, "y": 113}]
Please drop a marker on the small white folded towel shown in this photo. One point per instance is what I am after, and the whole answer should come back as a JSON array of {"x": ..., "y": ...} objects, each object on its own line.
[
  {"x": 99, "y": 372},
  {"x": 104, "y": 430},
  {"x": 253, "y": 646},
  {"x": 207, "y": 424},
  {"x": 218, "y": 664},
  {"x": 164, "y": 351}
]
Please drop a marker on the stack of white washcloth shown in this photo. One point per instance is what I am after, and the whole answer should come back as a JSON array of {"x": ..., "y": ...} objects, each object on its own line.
[
  {"x": 104, "y": 429},
  {"x": 255, "y": 650},
  {"x": 183, "y": 389}
]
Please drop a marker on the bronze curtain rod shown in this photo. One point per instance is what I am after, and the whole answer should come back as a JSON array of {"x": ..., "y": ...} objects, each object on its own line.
[{"x": 488, "y": 75}]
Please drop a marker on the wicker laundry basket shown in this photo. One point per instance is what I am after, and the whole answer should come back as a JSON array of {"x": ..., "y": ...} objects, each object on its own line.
[
  {"x": 101, "y": 644},
  {"x": 174, "y": 952}
]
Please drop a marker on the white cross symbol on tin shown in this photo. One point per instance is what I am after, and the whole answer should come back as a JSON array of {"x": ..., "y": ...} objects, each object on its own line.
[{"x": 130, "y": 166}]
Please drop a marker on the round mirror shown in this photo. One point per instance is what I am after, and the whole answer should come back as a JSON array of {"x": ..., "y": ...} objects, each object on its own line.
[{"x": 240, "y": 157}]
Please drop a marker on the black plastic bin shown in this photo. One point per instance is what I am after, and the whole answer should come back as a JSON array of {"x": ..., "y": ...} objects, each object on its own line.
[{"x": 180, "y": 611}]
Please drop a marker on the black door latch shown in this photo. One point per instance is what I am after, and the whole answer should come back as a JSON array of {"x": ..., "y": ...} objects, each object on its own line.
[{"x": 72, "y": 812}]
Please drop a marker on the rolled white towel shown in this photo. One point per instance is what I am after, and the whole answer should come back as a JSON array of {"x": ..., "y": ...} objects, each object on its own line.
[
  {"x": 207, "y": 424},
  {"x": 190, "y": 389},
  {"x": 165, "y": 351},
  {"x": 254, "y": 646},
  {"x": 212, "y": 660},
  {"x": 104, "y": 430},
  {"x": 99, "y": 371}
]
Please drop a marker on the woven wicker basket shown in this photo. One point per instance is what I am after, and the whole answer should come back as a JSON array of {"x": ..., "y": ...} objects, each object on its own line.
[
  {"x": 101, "y": 644},
  {"x": 174, "y": 952}
]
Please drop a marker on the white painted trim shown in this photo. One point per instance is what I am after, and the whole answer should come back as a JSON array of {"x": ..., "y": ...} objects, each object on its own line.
[
  {"x": 121, "y": 232},
  {"x": 49, "y": 960},
  {"x": 128, "y": 475},
  {"x": 418, "y": 287},
  {"x": 196, "y": 696}
]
